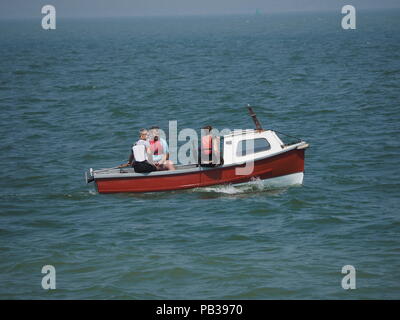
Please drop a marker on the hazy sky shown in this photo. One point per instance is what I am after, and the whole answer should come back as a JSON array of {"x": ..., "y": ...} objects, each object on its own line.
[{"x": 104, "y": 8}]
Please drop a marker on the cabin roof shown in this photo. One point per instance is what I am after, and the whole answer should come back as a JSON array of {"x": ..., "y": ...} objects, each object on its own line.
[{"x": 237, "y": 132}]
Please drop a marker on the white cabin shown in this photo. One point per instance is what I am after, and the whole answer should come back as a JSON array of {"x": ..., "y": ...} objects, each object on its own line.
[{"x": 246, "y": 145}]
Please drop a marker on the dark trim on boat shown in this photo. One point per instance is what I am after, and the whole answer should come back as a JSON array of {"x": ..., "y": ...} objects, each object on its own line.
[{"x": 116, "y": 173}]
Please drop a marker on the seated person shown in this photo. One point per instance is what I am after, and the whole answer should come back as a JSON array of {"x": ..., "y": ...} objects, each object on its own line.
[
  {"x": 159, "y": 149},
  {"x": 209, "y": 154},
  {"x": 139, "y": 158}
]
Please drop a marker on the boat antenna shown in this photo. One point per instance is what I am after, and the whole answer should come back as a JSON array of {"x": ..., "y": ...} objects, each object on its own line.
[{"x": 254, "y": 117}]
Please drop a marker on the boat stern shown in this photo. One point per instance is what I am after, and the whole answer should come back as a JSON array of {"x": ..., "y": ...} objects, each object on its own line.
[{"x": 89, "y": 177}]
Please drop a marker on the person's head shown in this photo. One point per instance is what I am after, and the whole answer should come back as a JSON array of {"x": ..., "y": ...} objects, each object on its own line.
[
  {"x": 155, "y": 133},
  {"x": 143, "y": 133},
  {"x": 207, "y": 129}
]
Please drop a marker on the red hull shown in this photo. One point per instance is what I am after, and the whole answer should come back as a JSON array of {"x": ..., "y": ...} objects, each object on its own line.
[{"x": 280, "y": 165}]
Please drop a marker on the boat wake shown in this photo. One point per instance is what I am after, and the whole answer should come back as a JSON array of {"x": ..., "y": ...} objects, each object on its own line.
[{"x": 254, "y": 186}]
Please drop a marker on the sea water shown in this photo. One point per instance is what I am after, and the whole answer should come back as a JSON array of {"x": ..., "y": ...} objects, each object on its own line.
[{"x": 75, "y": 98}]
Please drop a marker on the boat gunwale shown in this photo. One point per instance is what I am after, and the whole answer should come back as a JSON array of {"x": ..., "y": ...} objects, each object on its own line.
[{"x": 136, "y": 175}]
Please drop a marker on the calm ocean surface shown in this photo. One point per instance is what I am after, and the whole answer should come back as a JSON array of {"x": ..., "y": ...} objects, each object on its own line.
[{"x": 74, "y": 98}]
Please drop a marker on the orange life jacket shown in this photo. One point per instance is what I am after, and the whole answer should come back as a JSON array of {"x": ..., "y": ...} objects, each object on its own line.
[
  {"x": 156, "y": 147},
  {"x": 206, "y": 144}
]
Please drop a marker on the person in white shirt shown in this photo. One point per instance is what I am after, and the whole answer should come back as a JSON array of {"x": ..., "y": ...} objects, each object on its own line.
[{"x": 139, "y": 158}]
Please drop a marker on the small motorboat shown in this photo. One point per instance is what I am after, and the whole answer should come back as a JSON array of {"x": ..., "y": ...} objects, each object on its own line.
[{"x": 275, "y": 163}]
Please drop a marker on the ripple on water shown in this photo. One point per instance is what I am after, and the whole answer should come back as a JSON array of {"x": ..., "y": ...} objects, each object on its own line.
[{"x": 62, "y": 115}]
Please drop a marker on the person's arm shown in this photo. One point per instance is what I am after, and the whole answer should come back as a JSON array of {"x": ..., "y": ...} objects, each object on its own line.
[
  {"x": 131, "y": 157},
  {"x": 148, "y": 150},
  {"x": 165, "y": 151},
  {"x": 163, "y": 159},
  {"x": 130, "y": 161},
  {"x": 149, "y": 153},
  {"x": 215, "y": 148},
  {"x": 215, "y": 141}
]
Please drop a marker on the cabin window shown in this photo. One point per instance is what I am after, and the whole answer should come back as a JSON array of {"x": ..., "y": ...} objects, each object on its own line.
[{"x": 245, "y": 147}]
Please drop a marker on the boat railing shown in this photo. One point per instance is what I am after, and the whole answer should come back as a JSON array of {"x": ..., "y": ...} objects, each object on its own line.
[{"x": 287, "y": 139}]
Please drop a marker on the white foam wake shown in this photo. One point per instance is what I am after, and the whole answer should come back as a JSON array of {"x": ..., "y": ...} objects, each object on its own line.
[{"x": 256, "y": 185}]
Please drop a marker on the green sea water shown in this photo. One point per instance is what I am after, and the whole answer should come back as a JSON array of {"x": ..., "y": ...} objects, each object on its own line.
[{"x": 75, "y": 97}]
